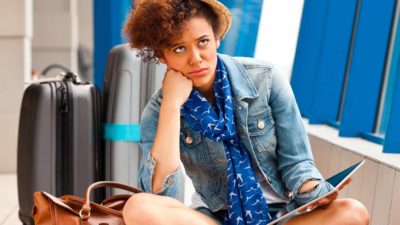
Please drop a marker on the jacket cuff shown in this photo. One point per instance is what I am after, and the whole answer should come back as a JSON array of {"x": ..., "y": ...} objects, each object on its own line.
[
  {"x": 322, "y": 188},
  {"x": 171, "y": 181}
]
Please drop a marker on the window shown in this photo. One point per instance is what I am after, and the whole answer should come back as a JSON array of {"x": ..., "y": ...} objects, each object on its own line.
[
  {"x": 361, "y": 98},
  {"x": 389, "y": 81}
]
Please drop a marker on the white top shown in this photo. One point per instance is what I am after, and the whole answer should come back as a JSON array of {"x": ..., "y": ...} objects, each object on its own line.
[{"x": 268, "y": 194}]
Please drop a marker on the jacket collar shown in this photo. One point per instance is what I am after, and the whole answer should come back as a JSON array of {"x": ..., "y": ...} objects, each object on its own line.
[{"x": 242, "y": 86}]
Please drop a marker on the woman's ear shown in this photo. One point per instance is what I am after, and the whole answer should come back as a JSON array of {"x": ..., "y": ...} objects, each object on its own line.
[
  {"x": 160, "y": 57},
  {"x": 218, "y": 42},
  {"x": 162, "y": 60}
]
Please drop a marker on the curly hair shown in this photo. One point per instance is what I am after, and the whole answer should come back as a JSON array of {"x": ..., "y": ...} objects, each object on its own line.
[{"x": 153, "y": 24}]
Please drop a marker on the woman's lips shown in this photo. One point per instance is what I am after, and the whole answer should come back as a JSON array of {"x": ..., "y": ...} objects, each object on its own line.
[{"x": 198, "y": 72}]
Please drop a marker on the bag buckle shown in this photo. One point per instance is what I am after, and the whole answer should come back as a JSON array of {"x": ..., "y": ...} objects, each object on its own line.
[{"x": 83, "y": 215}]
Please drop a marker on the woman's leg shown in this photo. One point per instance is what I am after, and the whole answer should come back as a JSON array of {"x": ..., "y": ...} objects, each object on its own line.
[
  {"x": 149, "y": 209},
  {"x": 340, "y": 211},
  {"x": 152, "y": 209}
]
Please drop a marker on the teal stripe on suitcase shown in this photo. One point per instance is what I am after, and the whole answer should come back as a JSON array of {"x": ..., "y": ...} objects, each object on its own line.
[{"x": 121, "y": 132}]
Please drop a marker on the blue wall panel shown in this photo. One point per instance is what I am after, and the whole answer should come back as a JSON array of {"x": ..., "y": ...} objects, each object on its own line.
[
  {"x": 392, "y": 140},
  {"x": 242, "y": 37},
  {"x": 367, "y": 67},
  {"x": 308, "y": 52},
  {"x": 249, "y": 30},
  {"x": 393, "y": 73},
  {"x": 109, "y": 17},
  {"x": 391, "y": 120},
  {"x": 331, "y": 70}
]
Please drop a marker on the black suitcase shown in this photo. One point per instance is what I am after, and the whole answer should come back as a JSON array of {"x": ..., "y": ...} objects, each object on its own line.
[{"x": 59, "y": 147}]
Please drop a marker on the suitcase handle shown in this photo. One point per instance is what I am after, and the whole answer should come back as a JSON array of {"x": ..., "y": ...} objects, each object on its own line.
[
  {"x": 85, "y": 211},
  {"x": 67, "y": 74},
  {"x": 55, "y": 66},
  {"x": 70, "y": 76}
]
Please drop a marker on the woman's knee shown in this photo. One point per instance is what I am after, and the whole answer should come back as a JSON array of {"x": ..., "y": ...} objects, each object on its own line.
[
  {"x": 353, "y": 211},
  {"x": 138, "y": 208}
]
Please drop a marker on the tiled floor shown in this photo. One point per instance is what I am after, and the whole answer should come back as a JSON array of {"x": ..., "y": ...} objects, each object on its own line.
[{"x": 9, "y": 199}]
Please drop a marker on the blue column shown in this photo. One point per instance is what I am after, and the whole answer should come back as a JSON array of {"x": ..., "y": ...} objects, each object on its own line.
[{"x": 109, "y": 17}]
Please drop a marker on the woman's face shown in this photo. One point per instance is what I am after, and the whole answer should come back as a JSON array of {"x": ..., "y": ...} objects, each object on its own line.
[{"x": 194, "y": 53}]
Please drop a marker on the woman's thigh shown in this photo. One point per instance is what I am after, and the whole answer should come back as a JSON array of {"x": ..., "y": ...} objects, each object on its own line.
[
  {"x": 218, "y": 217},
  {"x": 340, "y": 211},
  {"x": 150, "y": 209}
]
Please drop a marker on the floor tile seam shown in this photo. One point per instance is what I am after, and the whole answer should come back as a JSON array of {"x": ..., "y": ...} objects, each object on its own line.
[{"x": 9, "y": 215}]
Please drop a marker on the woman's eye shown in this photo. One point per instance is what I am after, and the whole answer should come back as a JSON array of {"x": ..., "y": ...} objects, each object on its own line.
[
  {"x": 179, "y": 49},
  {"x": 203, "y": 42}
]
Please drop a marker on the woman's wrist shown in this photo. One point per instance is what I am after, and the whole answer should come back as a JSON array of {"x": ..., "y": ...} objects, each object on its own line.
[{"x": 170, "y": 106}]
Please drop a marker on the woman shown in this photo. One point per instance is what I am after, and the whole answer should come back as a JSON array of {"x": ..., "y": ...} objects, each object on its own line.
[{"x": 232, "y": 122}]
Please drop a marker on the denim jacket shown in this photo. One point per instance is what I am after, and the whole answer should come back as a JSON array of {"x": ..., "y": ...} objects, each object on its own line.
[{"x": 269, "y": 127}]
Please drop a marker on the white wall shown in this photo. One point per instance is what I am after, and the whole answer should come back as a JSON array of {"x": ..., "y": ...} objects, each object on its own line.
[
  {"x": 278, "y": 32},
  {"x": 34, "y": 34},
  {"x": 15, "y": 66},
  {"x": 376, "y": 184},
  {"x": 55, "y": 35},
  {"x": 85, "y": 23},
  {"x": 86, "y": 38}
]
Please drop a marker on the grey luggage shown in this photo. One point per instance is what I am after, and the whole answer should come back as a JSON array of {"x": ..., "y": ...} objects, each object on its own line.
[
  {"x": 59, "y": 141},
  {"x": 128, "y": 85}
]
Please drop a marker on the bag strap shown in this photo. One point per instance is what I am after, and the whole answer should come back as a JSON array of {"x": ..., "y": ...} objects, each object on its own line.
[{"x": 84, "y": 213}]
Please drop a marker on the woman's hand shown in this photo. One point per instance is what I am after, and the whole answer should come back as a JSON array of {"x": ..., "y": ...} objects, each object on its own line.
[
  {"x": 328, "y": 199},
  {"x": 176, "y": 88}
]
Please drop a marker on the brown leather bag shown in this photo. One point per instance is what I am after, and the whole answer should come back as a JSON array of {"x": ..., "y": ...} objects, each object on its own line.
[{"x": 72, "y": 210}]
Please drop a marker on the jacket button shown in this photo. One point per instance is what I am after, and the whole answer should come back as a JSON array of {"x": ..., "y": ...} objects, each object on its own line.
[
  {"x": 269, "y": 180},
  {"x": 289, "y": 194},
  {"x": 261, "y": 125},
  {"x": 189, "y": 140}
]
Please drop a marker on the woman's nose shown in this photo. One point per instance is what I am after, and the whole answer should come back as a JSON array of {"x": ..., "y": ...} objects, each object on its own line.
[{"x": 195, "y": 57}]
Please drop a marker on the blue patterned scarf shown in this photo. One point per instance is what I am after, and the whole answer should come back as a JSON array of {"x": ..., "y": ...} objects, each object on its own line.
[{"x": 246, "y": 204}]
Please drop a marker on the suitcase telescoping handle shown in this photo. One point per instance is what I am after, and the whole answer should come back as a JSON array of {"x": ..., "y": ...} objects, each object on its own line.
[{"x": 85, "y": 211}]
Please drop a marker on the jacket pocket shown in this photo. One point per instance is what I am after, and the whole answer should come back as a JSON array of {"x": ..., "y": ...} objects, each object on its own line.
[
  {"x": 262, "y": 132},
  {"x": 191, "y": 148}
]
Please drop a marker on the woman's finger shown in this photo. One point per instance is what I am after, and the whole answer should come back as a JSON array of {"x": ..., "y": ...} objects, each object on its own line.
[
  {"x": 324, "y": 201},
  {"x": 347, "y": 182},
  {"x": 308, "y": 208}
]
